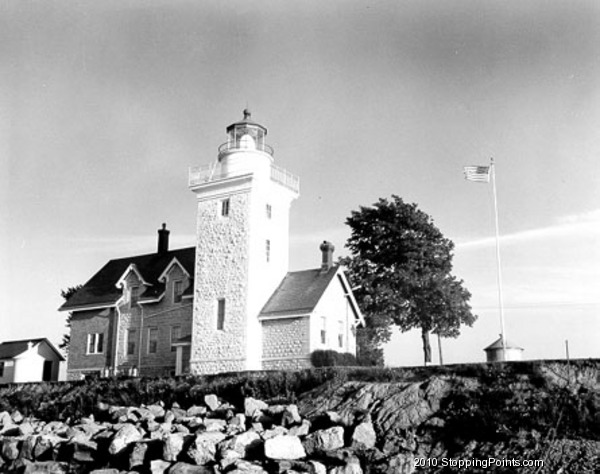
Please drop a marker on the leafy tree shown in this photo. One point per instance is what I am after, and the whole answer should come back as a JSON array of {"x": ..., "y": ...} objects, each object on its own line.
[
  {"x": 401, "y": 266},
  {"x": 66, "y": 339}
]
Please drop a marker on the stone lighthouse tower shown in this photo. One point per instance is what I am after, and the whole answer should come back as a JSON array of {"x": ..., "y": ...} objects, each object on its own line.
[{"x": 242, "y": 245}]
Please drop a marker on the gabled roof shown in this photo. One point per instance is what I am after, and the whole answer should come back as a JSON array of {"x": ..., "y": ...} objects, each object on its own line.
[
  {"x": 497, "y": 344},
  {"x": 101, "y": 290},
  {"x": 299, "y": 292},
  {"x": 11, "y": 349}
]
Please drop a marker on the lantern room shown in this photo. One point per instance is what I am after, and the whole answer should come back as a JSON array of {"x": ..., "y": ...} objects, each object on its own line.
[{"x": 245, "y": 135}]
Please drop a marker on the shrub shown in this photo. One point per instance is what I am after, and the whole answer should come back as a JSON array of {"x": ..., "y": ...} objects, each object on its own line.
[{"x": 329, "y": 358}]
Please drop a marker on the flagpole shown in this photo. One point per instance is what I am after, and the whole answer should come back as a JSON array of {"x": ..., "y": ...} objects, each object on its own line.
[{"x": 500, "y": 301}]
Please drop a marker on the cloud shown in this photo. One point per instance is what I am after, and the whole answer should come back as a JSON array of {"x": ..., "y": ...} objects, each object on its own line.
[{"x": 584, "y": 225}]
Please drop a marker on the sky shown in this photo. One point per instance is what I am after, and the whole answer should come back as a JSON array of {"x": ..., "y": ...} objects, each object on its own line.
[{"x": 105, "y": 105}]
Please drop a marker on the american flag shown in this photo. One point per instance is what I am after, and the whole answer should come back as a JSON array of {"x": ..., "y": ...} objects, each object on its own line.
[{"x": 480, "y": 174}]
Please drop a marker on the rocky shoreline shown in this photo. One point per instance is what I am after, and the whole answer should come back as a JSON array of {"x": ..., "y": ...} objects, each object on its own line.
[{"x": 210, "y": 438}]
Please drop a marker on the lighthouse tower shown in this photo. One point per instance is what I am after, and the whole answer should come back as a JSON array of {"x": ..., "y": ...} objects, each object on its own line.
[{"x": 242, "y": 247}]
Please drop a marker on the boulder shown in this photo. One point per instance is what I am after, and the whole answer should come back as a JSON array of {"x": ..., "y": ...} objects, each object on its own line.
[
  {"x": 185, "y": 468},
  {"x": 214, "y": 424},
  {"x": 46, "y": 467},
  {"x": 172, "y": 446},
  {"x": 246, "y": 467},
  {"x": 300, "y": 430},
  {"x": 324, "y": 440},
  {"x": 290, "y": 416},
  {"x": 247, "y": 445},
  {"x": 16, "y": 416},
  {"x": 25, "y": 428},
  {"x": 84, "y": 450},
  {"x": 158, "y": 466},
  {"x": 157, "y": 410},
  {"x": 276, "y": 431},
  {"x": 10, "y": 448},
  {"x": 252, "y": 406},
  {"x": 27, "y": 447},
  {"x": 196, "y": 410},
  {"x": 203, "y": 449},
  {"x": 143, "y": 452},
  {"x": 364, "y": 436},
  {"x": 284, "y": 447},
  {"x": 46, "y": 446},
  {"x": 212, "y": 402},
  {"x": 126, "y": 435}
]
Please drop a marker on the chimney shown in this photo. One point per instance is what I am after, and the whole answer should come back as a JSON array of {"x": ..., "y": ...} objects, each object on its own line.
[
  {"x": 163, "y": 239},
  {"x": 327, "y": 249}
]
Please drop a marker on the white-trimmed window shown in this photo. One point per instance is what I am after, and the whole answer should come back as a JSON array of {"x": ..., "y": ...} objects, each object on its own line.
[
  {"x": 131, "y": 341},
  {"x": 323, "y": 330},
  {"x": 269, "y": 211},
  {"x": 152, "y": 340},
  {"x": 95, "y": 343},
  {"x": 177, "y": 291},
  {"x": 221, "y": 314},
  {"x": 175, "y": 335},
  {"x": 225, "y": 205},
  {"x": 268, "y": 249},
  {"x": 341, "y": 333}
]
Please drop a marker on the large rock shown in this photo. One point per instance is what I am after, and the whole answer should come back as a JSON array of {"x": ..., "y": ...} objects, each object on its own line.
[
  {"x": 203, "y": 449},
  {"x": 246, "y": 467},
  {"x": 364, "y": 436},
  {"x": 284, "y": 447},
  {"x": 126, "y": 435},
  {"x": 290, "y": 416},
  {"x": 185, "y": 468},
  {"x": 46, "y": 446},
  {"x": 254, "y": 407},
  {"x": 143, "y": 452},
  {"x": 247, "y": 445},
  {"x": 158, "y": 466},
  {"x": 324, "y": 440},
  {"x": 172, "y": 446},
  {"x": 10, "y": 448},
  {"x": 46, "y": 467},
  {"x": 212, "y": 402}
]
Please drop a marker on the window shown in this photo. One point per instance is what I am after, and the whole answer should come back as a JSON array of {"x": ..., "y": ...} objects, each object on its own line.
[
  {"x": 1, "y": 369},
  {"x": 134, "y": 295},
  {"x": 225, "y": 207},
  {"x": 269, "y": 211},
  {"x": 175, "y": 335},
  {"x": 131, "y": 338},
  {"x": 95, "y": 343},
  {"x": 152, "y": 340},
  {"x": 177, "y": 291},
  {"x": 341, "y": 334},
  {"x": 323, "y": 330},
  {"x": 221, "y": 314},
  {"x": 268, "y": 249}
]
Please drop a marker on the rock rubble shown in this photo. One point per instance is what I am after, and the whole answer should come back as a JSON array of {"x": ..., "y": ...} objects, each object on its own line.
[{"x": 209, "y": 439}]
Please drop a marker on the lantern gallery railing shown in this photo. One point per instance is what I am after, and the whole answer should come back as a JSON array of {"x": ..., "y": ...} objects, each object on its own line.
[{"x": 207, "y": 174}]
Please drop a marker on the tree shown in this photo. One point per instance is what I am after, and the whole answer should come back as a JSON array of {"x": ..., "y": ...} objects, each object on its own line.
[
  {"x": 401, "y": 264},
  {"x": 66, "y": 339}
]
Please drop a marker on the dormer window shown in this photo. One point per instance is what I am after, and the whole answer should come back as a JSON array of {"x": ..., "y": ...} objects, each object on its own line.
[{"x": 177, "y": 291}]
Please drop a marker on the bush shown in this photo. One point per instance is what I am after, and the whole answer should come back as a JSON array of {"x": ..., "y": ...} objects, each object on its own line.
[{"x": 329, "y": 358}]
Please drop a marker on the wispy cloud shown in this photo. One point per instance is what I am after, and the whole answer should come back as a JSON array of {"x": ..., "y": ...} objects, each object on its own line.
[{"x": 585, "y": 225}]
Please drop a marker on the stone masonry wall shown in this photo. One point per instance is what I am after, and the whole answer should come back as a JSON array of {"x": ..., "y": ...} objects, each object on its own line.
[
  {"x": 221, "y": 272},
  {"x": 286, "y": 343}
]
